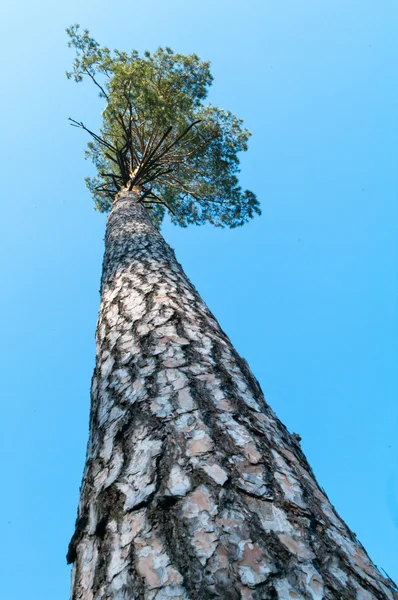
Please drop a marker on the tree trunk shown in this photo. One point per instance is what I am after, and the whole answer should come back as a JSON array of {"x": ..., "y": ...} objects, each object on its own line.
[{"x": 193, "y": 489}]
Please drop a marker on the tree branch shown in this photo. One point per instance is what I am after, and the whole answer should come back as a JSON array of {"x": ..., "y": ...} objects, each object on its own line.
[
  {"x": 94, "y": 135},
  {"x": 157, "y": 200},
  {"x": 96, "y": 83}
]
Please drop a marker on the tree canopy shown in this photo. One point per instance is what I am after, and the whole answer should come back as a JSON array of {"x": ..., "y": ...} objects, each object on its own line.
[{"x": 160, "y": 138}]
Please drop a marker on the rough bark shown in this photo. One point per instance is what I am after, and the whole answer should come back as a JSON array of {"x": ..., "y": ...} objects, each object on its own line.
[{"x": 193, "y": 489}]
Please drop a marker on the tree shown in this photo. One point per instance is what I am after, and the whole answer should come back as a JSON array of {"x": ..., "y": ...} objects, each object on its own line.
[
  {"x": 158, "y": 138},
  {"x": 192, "y": 488}
]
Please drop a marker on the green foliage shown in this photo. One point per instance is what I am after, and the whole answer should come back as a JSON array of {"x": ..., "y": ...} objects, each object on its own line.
[{"x": 159, "y": 137}]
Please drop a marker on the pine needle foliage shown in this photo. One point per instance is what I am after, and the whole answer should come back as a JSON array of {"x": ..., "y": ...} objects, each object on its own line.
[{"x": 159, "y": 137}]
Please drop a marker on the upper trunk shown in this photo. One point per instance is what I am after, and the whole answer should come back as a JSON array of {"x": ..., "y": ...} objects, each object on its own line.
[{"x": 193, "y": 489}]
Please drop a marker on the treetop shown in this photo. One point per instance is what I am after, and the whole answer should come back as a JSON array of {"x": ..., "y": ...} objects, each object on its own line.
[{"x": 160, "y": 138}]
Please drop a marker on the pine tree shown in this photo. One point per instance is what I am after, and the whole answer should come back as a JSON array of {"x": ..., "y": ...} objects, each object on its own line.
[{"x": 192, "y": 488}]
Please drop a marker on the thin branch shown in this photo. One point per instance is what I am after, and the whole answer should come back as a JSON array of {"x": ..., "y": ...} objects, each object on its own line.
[
  {"x": 96, "y": 83},
  {"x": 157, "y": 200},
  {"x": 108, "y": 191},
  {"x": 183, "y": 134},
  {"x": 145, "y": 161},
  {"x": 111, "y": 158},
  {"x": 146, "y": 193},
  {"x": 152, "y": 160},
  {"x": 94, "y": 135},
  {"x": 187, "y": 191},
  {"x": 152, "y": 152},
  {"x": 110, "y": 175},
  {"x": 156, "y": 175}
]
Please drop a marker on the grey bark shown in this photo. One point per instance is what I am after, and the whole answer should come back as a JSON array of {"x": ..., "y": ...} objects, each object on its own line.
[{"x": 193, "y": 489}]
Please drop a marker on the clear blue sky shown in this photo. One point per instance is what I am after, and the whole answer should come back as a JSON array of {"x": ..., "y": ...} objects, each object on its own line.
[{"x": 307, "y": 293}]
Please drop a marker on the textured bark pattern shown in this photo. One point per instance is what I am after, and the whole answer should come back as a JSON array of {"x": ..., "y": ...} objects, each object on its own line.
[{"x": 193, "y": 489}]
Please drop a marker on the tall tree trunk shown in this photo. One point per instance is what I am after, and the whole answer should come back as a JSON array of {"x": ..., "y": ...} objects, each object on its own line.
[{"x": 193, "y": 489}]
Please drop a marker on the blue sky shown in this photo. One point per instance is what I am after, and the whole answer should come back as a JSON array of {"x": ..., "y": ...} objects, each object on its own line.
[{"x": 307, "y": 292}]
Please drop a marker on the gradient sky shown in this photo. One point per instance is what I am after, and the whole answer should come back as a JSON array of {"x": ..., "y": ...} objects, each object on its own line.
[{"x": 307, "y": 293}]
